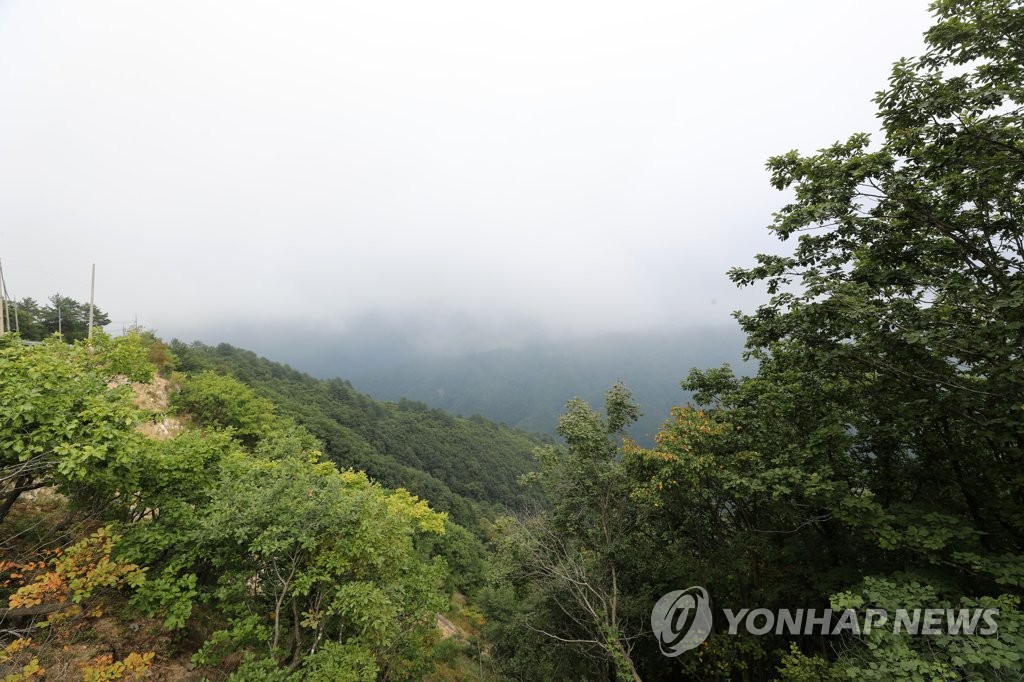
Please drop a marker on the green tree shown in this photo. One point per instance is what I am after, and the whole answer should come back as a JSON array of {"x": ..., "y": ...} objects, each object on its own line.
[
  {"x": 29, "y": 319},
  {"x": 907, "y": 299},
  {"x": 876, "y": 459},
  {"x": 217, "y": 400},
  {"x": 570, "y": 563},
  {"x": 467, "y": 467},
  {"x": 60, "y": 422},
  {"x": 295, "y": 555},
  {"x": 890, "y": 350},
  {"x": 300, "y": 571},
  {"x": 70, "y": 317}
]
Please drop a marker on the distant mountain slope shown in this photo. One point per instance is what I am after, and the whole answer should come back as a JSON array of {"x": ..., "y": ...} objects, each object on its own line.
[
  {"x": 528, "y": 388},
  {"x": 461, "y": 465}
]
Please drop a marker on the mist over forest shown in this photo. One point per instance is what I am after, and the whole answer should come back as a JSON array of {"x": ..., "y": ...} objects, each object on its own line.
[
  {"x": 525, "y": 385},
  {"x": 529, "y": 387},
  {"x": 582, "y": 341}
]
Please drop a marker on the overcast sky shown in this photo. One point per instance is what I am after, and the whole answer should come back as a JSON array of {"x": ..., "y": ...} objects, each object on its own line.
[{"x": 568, "y": 166}]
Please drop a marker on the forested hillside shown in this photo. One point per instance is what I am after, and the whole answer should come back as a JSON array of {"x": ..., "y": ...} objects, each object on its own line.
[
  {"x": 528, "y": 387},
  {"x": 461, "y": 465},
  {"x": 60, "y": 314},
  {"x": 875, "y": 461},
  {"x": 180, "y": 527},
  {"x": 190, "y": 512}
]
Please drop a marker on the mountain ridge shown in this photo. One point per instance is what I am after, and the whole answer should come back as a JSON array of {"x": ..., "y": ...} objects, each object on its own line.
[{"x": 528, "y": 387}]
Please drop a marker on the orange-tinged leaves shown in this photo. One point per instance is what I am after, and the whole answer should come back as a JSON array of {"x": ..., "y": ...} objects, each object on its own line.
[
  {"x": 77, "y": 573},
  {"x": 134, "y": 666},
  {"x": 29, "y": 670}
]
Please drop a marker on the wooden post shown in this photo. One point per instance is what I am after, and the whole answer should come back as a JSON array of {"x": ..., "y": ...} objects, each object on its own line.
[
  {"x": 5, "y": 316},
  {"x": 92, "y": 298}
]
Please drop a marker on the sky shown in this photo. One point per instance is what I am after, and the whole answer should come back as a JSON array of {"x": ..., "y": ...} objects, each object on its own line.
[{"x": 525, "y": 168}]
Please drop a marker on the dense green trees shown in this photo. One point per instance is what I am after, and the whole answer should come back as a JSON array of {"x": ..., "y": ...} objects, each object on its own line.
[
  {"x": 572, "y": 564},
  {"x": 306, "y": 566},
  {"x": 909, "y": 295},
  {"x": 26, "y": 317},
  {"x": 35, "y": 322},
  {"x": 235, "y": 530},
  {"x": 876, "y": 460},
  {"x": 894, "y": 335},
  {"x": 467, "y": 467},
  {"x": 220, "y": 401},
  {"x": 59, "y": 424}
]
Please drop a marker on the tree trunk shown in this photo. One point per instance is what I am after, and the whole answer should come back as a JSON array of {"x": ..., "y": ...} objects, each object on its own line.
[
  {"x": 23, "y": 484},
  {"x": 29, "y": 611}
]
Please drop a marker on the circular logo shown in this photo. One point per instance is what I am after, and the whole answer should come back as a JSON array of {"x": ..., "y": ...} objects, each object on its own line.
[{"x": 681, "y": 620}]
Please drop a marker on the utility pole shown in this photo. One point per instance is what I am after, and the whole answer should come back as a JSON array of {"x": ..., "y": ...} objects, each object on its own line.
[
  {"x": 92, "y": 298},
  {"x": 7, "y": 299},
  {"x": 5, "y": 316}
]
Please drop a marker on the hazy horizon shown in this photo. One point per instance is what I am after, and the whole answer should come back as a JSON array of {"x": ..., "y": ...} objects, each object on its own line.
[
  {"x": 381, "y": 343},
  {"x": 499, "y": 175}
]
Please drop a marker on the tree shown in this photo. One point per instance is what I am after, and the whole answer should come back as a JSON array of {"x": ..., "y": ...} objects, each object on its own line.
[
  {"x": 311, "y": 567},
  {"x": 304, "y": 571},
  {"x": 64, "y": 314},
  {"x": 890, "y": 350},
  {"x": 222, "y": 401},
  {"x": 29, "y": 324},
  {"x": 909, "y": 272},
  {"x": 876, "y": 459},
  {"x": 569, "y": 562},
  {"x": 70, "y": 317},
  {"x": 60, "y": 423}
]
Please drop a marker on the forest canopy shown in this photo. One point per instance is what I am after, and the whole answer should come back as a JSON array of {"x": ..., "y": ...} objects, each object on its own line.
[
  {"x": 876, "y": 459},
  {"x": 257, "y": 523},
  {"x": 62, "y": 315}
]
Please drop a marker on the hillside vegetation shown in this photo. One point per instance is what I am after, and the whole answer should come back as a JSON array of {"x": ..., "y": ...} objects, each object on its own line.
[
  {"x": 223, "y": 543},
  {"x": 527, "y": 388},
  {"x": 466, "y": 466},
  {"x": 265, "y": 525},
  {"x": 875, "y": 461}
]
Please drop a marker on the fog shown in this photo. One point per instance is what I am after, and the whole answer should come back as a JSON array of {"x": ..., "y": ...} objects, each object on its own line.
[{"x": 472, "y": 174}]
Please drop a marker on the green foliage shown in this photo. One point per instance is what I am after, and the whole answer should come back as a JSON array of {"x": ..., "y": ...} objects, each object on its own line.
[
  {"x": 29, "y": 323},
  {"x": 319, "y": 555},
  {"x": 877, "y": 457},
  {"x": 309, "y": 572},
  {"x": 891, "y": 346},
  {"x": 127, "y": 356},
  {"x": 336, "y": 662},
  {"x": 60, "y": 424},
  {"x": 158, "y": 353},
  {"x": 882, "y": 655},
  {"x": 467, "y": 467},
  {"x": 799, "y": 667},
  {"x": 564, "y": 569},
  {"x": 882, "y": 434},
  {"x": 71, "y": 318},
  {"x": 223, "y": 402},
  {"x": 464, "y": 555},
  {"x": 255, "y": 669},
  {"x": 527, "y": 387}
]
